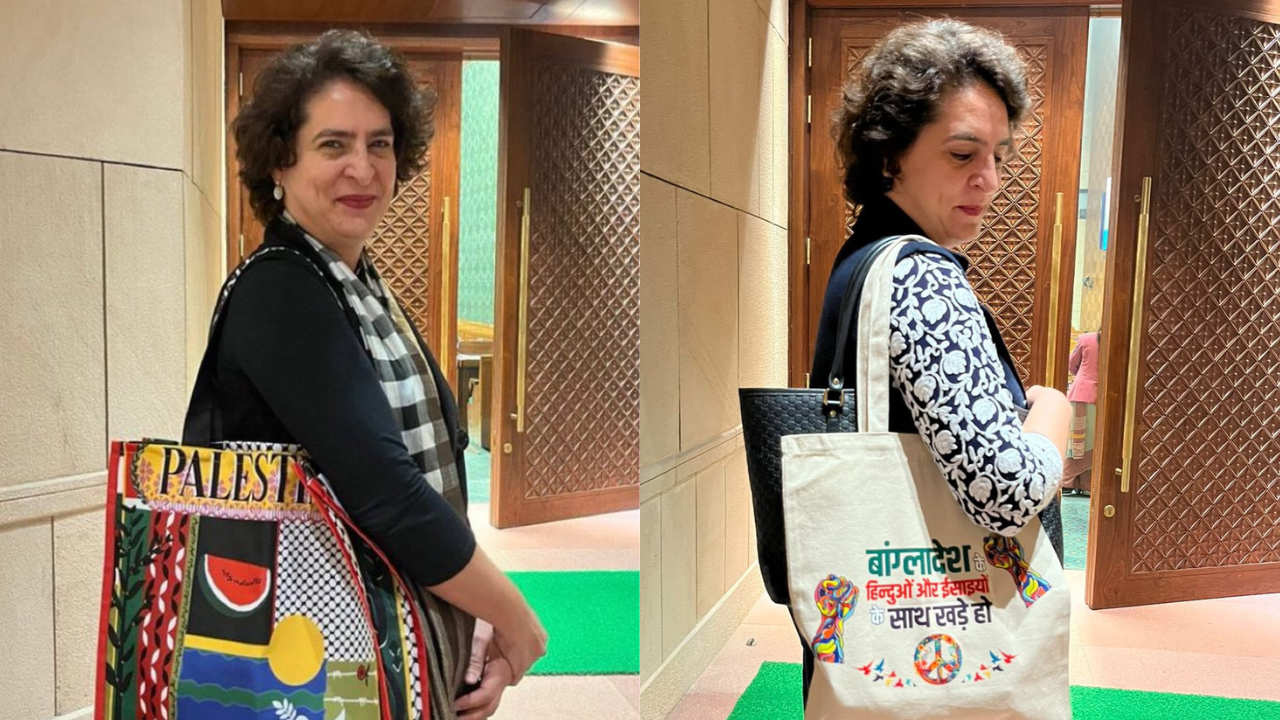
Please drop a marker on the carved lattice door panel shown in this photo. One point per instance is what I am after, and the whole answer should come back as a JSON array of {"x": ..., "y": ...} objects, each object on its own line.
[
  {"x": 1197, "y": 514},
  {"x": 1012, "y": 257},
  {"x": 407, "y": 246},
  {"x": 568, "y": 291}
]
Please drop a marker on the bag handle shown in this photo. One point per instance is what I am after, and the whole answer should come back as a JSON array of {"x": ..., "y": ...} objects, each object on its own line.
[
  {"x": 850, "y": 302},
  {"x": 872, "y": 373}
]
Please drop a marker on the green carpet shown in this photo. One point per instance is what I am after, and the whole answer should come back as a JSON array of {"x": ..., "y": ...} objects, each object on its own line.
[
  {"x": 774, "y": 694},
  {"x": 1075, "y": 531},
  {"x": 592, "y": 620}
]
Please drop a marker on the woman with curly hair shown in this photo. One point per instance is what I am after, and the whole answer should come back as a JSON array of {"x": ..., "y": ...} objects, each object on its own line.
[
  {"x": 924, "y": 129},
  {"x": 313, "y": 350}
]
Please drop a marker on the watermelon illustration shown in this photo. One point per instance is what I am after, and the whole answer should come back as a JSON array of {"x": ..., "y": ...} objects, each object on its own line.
[{"x": 235, "y": 587}]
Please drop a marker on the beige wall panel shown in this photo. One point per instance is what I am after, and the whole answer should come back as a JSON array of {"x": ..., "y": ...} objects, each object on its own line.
[
  {"x": 26, "y": 634},
  {"x": 679, "y": 563},
  {"x": 77, "y": 557},
  {"x": 737, "y": 506},
  {"x": 208, "y": 99},
  {"x": 51, "y": 381},
  {"x": 766, "y": 171},
  {"x": 737, "y": 63},
  {"x": 659, "y": 323},
  {"x": 762, "y": 335},
  {"x": 203, "y": 259},
  {"x": 708, "y": 285},
  {"x": 70, "y": 88},
  {"x": 676, "y": 130},
  {"x": 146, "y": 309},
  {"x": 776, "y": 11},
  {"x": 651, "y": 654},
  {"x": 774, "y": 193},
  {"x": 711, "y": 538}
]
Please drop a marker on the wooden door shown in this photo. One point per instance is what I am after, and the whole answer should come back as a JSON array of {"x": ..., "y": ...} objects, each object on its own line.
[
  {"x": 567, "y": 343},
  {"x": 415, "y": 246},
  {"x": 1013, "y": 257},
  {"x": 1187, "y": 496}
]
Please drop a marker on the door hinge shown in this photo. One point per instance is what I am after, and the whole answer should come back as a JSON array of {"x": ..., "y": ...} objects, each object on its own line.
[
  {"x": 240, "y": 85},
  {"x": 810, "y": 52},
  {"x": 808, "y": 109},
  {"x": 242, "y": 245},
  {"x": 806, "y": 251}
]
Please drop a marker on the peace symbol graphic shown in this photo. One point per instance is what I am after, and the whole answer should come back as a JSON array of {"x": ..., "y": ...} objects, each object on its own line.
[{"x": 938, "y": 659}]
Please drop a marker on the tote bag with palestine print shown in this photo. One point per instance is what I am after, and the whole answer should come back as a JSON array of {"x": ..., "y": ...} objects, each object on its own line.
[
  {"x": 236, "y": 588},
  {"x": 912, "y": 610}
]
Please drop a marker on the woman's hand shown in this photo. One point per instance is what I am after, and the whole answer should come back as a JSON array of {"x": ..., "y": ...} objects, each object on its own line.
[
  {"x": 483, "y": 701},
  {"x": 482, "y": 590},
  {"x": 521, "y": 642},
  {"x": 480, "y": 641},
  {"x": 1050, "y": 415}
]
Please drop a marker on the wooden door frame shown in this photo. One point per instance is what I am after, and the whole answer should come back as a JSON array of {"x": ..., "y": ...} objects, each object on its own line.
[
  {"x": 515, "y": 146},
  {"x": 1138, "y": 160},
  {"x": 799, "y": 72}
]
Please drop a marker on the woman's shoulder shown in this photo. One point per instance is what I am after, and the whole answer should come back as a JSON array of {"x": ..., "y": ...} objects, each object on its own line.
[
  {"x": 284, "y": 280},
  {"x": 930, "y": 266}
]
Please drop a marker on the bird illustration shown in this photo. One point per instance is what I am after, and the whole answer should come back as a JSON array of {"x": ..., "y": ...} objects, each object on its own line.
[
  {"x": 866, "y": 669},
  {"x": 880, "y": 666},
  {"x": 1007, "y": 657},
  {"x": 878, "y": 678},
  {"x": 995, "y": 658}
]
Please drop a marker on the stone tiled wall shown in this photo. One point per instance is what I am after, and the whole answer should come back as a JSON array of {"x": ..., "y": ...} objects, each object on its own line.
[
  {"x": 111, "y": 161},
  {"x": 713, "y": 315}
]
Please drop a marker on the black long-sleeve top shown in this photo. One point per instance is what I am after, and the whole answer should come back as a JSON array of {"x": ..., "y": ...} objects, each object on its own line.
[{"x": 291, "y": 368}]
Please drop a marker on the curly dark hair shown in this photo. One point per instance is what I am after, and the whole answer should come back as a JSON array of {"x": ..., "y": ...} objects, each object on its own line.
[
  {"x": 899, "y": 89},
  {"x": 267, "y": 127}
]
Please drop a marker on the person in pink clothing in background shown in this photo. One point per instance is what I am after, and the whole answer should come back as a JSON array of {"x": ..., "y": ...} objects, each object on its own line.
[{"x": 1083, "y": 394}]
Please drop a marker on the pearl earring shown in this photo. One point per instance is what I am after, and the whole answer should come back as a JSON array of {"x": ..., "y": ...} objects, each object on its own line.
[{"x": 278, "y": 192}]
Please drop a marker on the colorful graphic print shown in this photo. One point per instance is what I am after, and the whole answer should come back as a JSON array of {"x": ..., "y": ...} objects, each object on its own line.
[
  {"x": 220, "y": 686},
  {"x": 352, "y": 693},
  {"x": 163, "y": 598},
  {"x": 234, "y": 573},
  {"x": 1006, "y": 553},
  {"x": 877, "y": 673},
  {"x": 999, "y": 661},
  {"x": 938, "y": 659},
  {"x": 836, "y": 598},
  {"x": 244, "y": 483}
]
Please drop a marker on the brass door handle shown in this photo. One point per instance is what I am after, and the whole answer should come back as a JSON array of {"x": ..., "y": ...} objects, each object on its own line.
[
  {"x": 446, "y": 234},
  {"x": 1135, "y": 336},
  {"x": 1055, "y": 289},
  {"x": 522, "y": 347}
]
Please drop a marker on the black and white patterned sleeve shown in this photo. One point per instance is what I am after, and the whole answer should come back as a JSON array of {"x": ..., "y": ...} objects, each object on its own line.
[{"x": 944, "y": 363}]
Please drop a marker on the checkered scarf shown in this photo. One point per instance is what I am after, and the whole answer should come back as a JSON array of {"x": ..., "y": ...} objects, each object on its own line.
[
  {"x": 404, "y": 374},
  {"x": 411, "y": 390}
]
